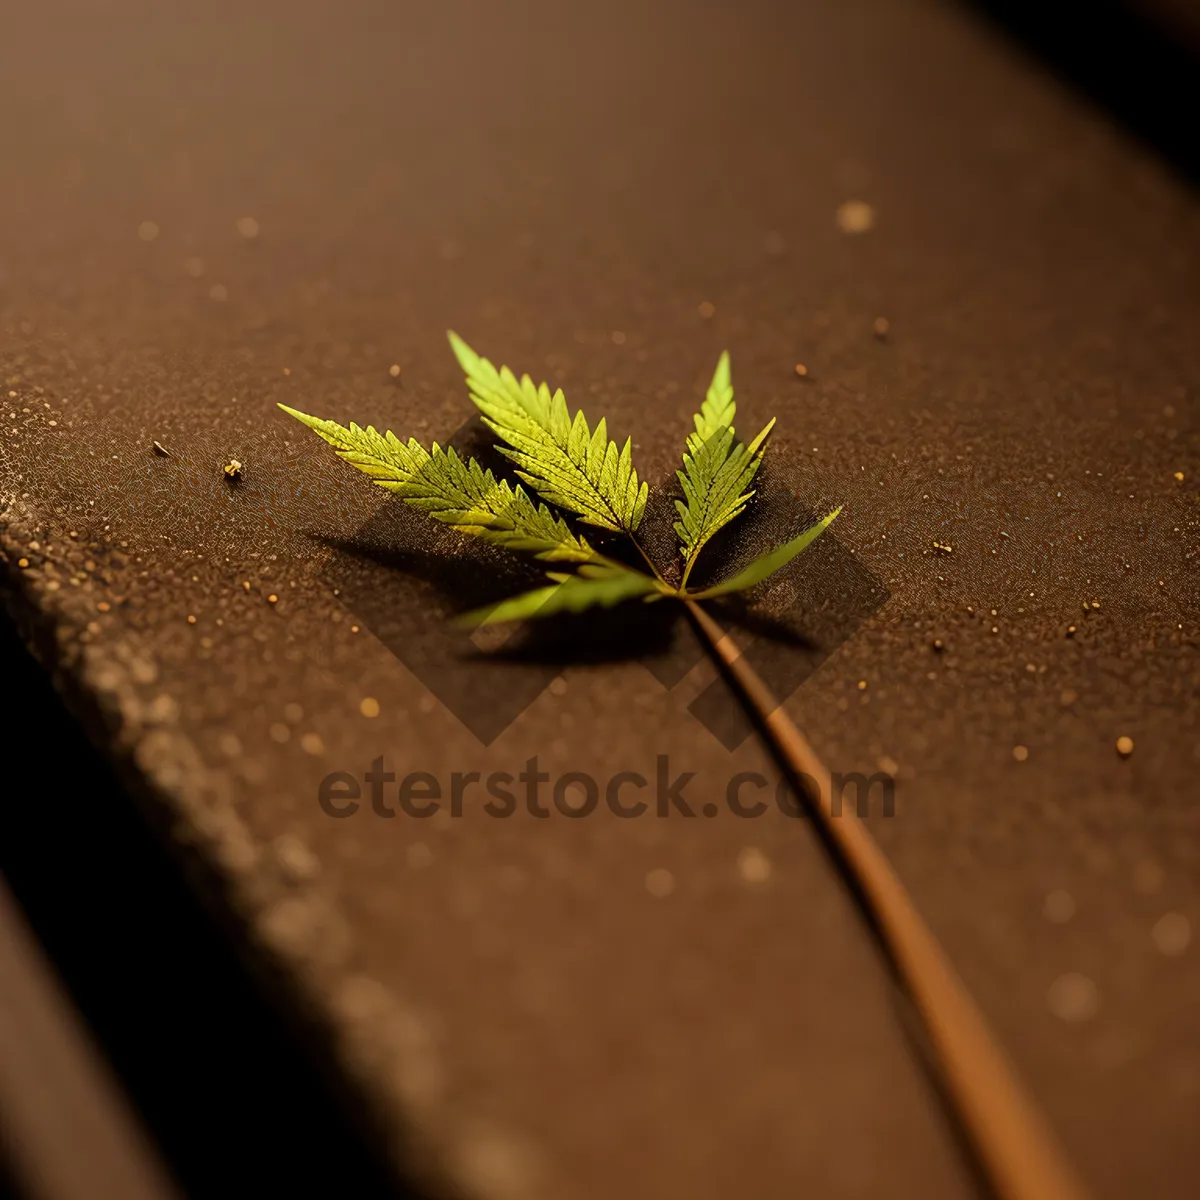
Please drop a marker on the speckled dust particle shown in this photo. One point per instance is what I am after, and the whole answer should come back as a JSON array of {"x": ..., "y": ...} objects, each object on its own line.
[
  {"x": 272, "y": 599},
  {"x": 1020, "y": 753},
  {"x": 660, "y": 882},
  {"x": 297, "y": 860},
  {"x": 855, "y": 216},
  {"x": 147, "y": 231},
  {"x": 1171, "y": 934},
  {"x": 218, "y": 291},
  {"x": 881, "y": 327},
  {"x": 311, "y": 743},
  {"x": 1125, "y": 746},
  {"x": 801, "y": 370},
  {"x": 369, "y": 706},
  {"x": 1059, "y": 907},
  {"x": 247, "y": 227},
  {"x": 1073, "y": 997},
  {"x": 394, "y": 370},
  {"x": 707, "y": 309},
  {"x": 753, "y": 865}
]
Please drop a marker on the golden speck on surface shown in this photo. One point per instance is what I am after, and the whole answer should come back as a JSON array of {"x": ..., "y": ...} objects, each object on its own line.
[
  {"x": 660, "y": 882},
  {"x": 1095, "y": 603},
  {"x": 369, "y": 706},
  {"x": 753, "y": 865},
  {"x": 394, "y": 370},
  {"x": 103, "y": 606},
  {"x": 287, "y": 370},
  {"x": 855, "y": 216},
  {"x": 233, "y": 469},
  {"x": 1178, "y": 476},
  {"x": 707, "y": 309},
  {"x": 1124, "y": 746},
  {"x": 22, "y": 563},
  {"x": 888, "y": 765},
  {"x": 1171, "y": 934},
  {"x": 995, "y": 628},
  {"x": 1073, "y": 997},
  {"x": 1020, "y": 753},
  {"x": 246, "y": 584},
  {"x": 1059, "y": 907},
  {"x": 1070, "y": 631},
  {"x": 247, "y": 227},
  {"x": 191, "y": 619},
  {"x": 801, "y": 370},
  {"x": 862, "y": 685},
  {"x": 272, "y": 599},
  {"x": 943, "y": 547},
  {"x": 311, "y": 743},
  {"x": 353, "y": 628},
  {"x": 147, "y": 231},
  {"x": 881, "y": 327},
  {"x": 938, "y": 645}
]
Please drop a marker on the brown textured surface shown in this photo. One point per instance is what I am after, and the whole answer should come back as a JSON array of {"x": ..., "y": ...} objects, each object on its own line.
[{"x": 529, "y": 1019}]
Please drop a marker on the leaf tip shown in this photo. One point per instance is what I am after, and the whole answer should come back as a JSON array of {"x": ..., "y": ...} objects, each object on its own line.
[
  {"x": 467, "y": 358},
  {"x": 303, "y": 418}
]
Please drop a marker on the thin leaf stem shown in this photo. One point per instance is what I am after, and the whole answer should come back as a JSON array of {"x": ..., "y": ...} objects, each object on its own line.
[{"x": 1014, "y": 1144}]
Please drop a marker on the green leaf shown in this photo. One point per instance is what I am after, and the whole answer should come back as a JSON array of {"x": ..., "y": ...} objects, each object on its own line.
[
  {"x": 602, "y": 584},
  {"x": 562, "y": 458},
  {"x": 768, "y": 563},
  {"x": 717, "y": 470},
  {"x": 718, "y": 409},
  {"x": 454, "y": 490}
]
